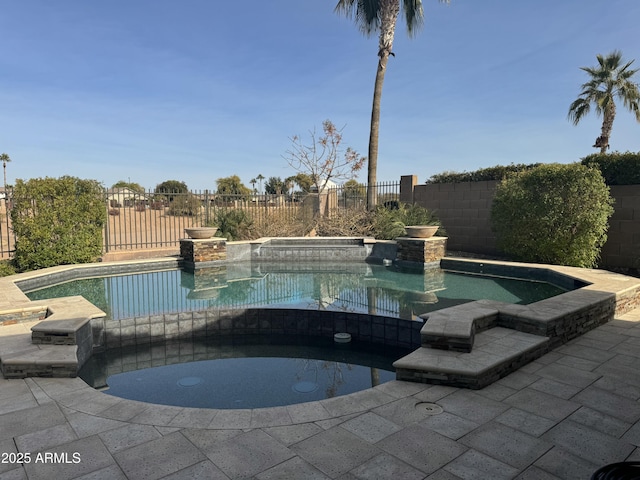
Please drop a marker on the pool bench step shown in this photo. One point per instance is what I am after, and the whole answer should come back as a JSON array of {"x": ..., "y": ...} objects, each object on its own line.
[
  {"x": 455, "y": 328},
  {"x": 47, "y": 361},
  {"x": 58, "y": 345},
  {"x": 497, "y": 352},
  {"x": 69, "y": 331}
]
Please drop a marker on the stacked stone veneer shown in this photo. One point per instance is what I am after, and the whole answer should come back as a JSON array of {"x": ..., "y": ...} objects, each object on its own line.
[
  {"x": 263, "y": 321},
  {"x": 511, "y": 335},
  {"x": 499, "y": 352},
  {"x": 561, "y": 318},
  {"x": 421, "y": 250},
  {"x": 22, "y": 315},
  {"x": 201, "y": 251},
  {"x": 60, "y": 344}
]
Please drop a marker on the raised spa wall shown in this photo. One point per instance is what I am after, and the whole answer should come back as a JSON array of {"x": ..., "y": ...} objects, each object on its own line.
[{"x": 201, "y": 253}]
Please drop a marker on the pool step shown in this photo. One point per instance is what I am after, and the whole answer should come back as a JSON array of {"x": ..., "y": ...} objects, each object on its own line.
[
  {"x": 68, "y": 331},
  {"x": 496, "y": 353},
  {"x": 58, "y": 345},
  {"x": 49, "y": 361},
  {"x": 454, "y": 328}
]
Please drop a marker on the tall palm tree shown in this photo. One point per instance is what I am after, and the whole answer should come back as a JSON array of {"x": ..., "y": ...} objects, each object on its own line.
[
  {"x": 611, "y": 79},
  {"x": 380, "y": 16},
  {"x": 260, "y": 178},
  {"x": 4, "y": 158}
]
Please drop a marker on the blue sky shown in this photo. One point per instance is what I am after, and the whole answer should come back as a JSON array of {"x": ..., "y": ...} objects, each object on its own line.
[{"x": 195, "y": 90}]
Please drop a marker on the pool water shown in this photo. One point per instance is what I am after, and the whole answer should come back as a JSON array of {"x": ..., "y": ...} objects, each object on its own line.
[
  {"x": 351, "y": 287},
  {"x": 241, "y": 375}
]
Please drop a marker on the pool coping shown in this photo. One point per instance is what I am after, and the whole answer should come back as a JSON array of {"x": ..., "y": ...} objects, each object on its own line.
[{"x": 620, "y": 291}]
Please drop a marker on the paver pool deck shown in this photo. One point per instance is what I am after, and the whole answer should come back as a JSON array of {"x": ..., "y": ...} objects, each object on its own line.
[{"x": 561, "y": 416}]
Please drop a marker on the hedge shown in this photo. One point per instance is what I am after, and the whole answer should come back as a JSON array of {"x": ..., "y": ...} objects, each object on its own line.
[
  {"x": 497, "y": 172},
  {"x": 57, "y": 221},
  {"x": 617, "y": 168},
  {"x": 554, "y": 214}
]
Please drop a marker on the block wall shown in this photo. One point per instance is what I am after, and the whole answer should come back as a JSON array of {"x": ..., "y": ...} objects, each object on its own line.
[{"x": 465, "y": 212}]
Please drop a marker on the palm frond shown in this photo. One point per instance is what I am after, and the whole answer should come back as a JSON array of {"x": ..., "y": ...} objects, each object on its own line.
[
  {"x": 365, "y": 13},
  {"x": 413, "y": 15},
  {"x": 578, "y": 109},
  {"x": 609, "y": 80}
]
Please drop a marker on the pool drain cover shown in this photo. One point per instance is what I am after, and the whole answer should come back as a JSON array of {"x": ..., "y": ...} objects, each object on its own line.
[
  {"x": 305, "y": 387},
  {"x": 429, "y": 408},
  {"x": 342, "y": 337},
  {"x": 189, "y": 381}
]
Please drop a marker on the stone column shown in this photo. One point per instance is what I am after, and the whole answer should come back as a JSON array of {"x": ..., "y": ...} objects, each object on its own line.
[
  {"x": 421, "y": 250},
  {"x": 200, "y": 253}
]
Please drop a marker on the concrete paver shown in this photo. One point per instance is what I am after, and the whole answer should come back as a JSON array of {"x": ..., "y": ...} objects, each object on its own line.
[
  {"x": 506, "y": 444},
  {"x": 474, "y": 465},
  {"x": 560, "y": 417},
  {"x": 159, "y": 457}
]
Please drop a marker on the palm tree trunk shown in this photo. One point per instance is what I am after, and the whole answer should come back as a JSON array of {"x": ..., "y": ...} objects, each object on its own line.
[
  {"x": 372, "y": 194},
  {"x": 389, "y": 10},
  {"x": 607, "y": 126}
]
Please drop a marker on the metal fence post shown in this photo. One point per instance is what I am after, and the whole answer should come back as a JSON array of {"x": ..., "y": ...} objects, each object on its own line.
[{"x": 106, "y": 224}]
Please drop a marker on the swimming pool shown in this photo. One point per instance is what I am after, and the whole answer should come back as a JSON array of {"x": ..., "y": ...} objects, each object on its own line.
[
  {"x": 376, "y": 304},
  {"x": 347, "y": 287}
]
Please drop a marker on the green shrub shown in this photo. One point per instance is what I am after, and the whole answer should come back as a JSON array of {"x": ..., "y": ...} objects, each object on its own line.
[
  {"x": 187, "y": 205},
  {"x": 233, "y": 224},
  {"x": 389, "y": 223},
  {"x": 170, "y": 188},
  {"x": 483, "y": 174},
  {"x": 554, "y": 214},
  {"x": 7, "y": 268},
  {"x": 617, "y": 168},
  {"x": 57, "y": 221}
]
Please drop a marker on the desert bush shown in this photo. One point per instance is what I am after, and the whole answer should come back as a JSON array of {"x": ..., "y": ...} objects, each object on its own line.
[
  {"x": 57, "y": 221},
  {"x": 554, "y": 214},
  {"x": 187, "y": 205},
  {"x": 346, "y": 222},
  {"x": 283, "y": 222},
  {"x": 389, "y": 223},
  {"x": 233, "y": 224},
  {"x": 7, "y": 268},
  {"x": 384, "y": 223}
]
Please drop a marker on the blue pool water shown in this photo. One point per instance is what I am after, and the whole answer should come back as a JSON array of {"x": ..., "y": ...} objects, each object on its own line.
[{"x": 357, "y": 287}]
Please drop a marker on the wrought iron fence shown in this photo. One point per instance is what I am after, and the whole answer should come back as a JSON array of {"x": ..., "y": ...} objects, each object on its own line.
[
  {"x": 146, "y": 220},
  {"x": 150, "y": 220}
]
